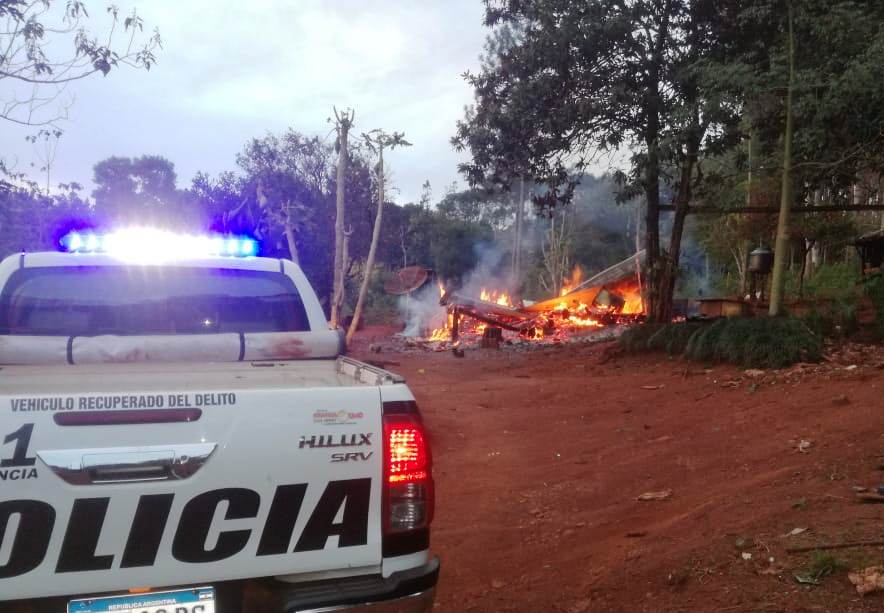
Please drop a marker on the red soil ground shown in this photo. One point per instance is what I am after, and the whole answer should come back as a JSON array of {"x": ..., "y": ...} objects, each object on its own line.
[{"x": 540, "y": 457}]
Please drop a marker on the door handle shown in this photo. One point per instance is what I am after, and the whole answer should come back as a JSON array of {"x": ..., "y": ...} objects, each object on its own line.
[{"x": 127, "y": 464}]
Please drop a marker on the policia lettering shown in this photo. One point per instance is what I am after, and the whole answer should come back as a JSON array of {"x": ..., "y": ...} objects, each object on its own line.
[{"x": 36, "y": 520}]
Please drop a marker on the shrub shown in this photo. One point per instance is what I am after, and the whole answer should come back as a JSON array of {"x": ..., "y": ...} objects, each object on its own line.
[
  {"x": 702, "y": 343},
  {"x": 635, "y": 338},
  {"x": 673, "y": 338},
  {"x": 762, "y": 342},
  {"x": 823, "y": 564}
]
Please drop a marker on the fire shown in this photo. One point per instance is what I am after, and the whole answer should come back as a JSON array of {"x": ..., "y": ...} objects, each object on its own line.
[
  {"x": 443, "y": 333},
  {"x": 632, "y": 295},
  {"x": 577, "y": 312},
  {"x": 576, "y": 315},
  {"x": 499, "y": 298},
  {"x": 440, "y": 334},
  {"x": 572, "y": 281}
]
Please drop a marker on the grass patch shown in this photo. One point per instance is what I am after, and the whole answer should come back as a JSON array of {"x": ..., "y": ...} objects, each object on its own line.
[
  {"x": 823, "y": 563},
  {"x": 760, "y": 342},
  {"x": 635, "y": 338},
  {"x": 673, "y": 338}
]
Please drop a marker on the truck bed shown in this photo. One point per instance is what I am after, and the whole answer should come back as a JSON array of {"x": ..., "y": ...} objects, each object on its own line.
[{"x": 111, "y": 378}]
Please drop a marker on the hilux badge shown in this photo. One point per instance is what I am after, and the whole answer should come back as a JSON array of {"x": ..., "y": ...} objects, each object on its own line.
[{"x": 323, "y": 441}]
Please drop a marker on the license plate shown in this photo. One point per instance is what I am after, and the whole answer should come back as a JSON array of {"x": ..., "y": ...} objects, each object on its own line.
[{"x": 193, "y": 600}]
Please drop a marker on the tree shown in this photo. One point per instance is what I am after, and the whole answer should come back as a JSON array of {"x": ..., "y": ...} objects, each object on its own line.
[
  {"x": 343, "y": 123},
  {"x": 137, "y": 191},
  {"x": 478, "y": 206},
  {"x": 376, "y": 141},
  {"x": 32, "y": 220},
  {"x": 284, "y": 195},
  {"x": 289, "y": 177},
  {"x": 557, "y": 250},
  {"x": 47, "y": 46},
  {"x": 778, "y": 278},
  {"x": 590, "y": 76},
  {"x": 499, "y": 148},
  {"x": 808, "y": 76}
]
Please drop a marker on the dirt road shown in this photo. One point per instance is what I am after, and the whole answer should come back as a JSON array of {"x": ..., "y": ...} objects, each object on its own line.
[{"x": 540, "y": 458}]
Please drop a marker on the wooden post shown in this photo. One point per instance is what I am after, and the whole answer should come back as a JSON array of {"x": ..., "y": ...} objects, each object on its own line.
[{"x": 455, "y": 325}]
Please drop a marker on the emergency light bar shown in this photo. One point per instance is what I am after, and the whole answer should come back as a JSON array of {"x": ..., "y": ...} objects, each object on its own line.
[{"x": 152, "y": 245}]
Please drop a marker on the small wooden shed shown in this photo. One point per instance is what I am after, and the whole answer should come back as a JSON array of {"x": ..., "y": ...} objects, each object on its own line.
[{"x": 871, "y": 251}]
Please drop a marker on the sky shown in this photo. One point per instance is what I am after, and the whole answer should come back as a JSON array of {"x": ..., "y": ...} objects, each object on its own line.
[{"x": 229, "y": 72}]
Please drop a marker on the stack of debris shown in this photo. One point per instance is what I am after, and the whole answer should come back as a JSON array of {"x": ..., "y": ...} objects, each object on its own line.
[{"x": 610, "y": 298}]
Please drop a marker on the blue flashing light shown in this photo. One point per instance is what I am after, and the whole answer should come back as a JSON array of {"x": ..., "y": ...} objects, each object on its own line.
[
  {"x": 93, "y": 243},
  {"x": 72, "y": 241},
  {"x": 148, "y": 244},
  {"x": 248, "y": 247}
]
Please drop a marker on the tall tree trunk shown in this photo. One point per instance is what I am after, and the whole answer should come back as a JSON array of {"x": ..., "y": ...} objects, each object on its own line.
[
  {"x": 290, "y": 238},
  {"x": 652, "y": 218},
  {"x": 517, "y": 238},
  {"x": 345, "y": 259},
  {"x": 344, "y": 121},
  {"x": 804, "y": 268},
  {"x": 654, "y": 300},
  {"x": 670, "y": 260},
  {"x": 290, "y": 234},
  {"x": 753, "y": 161},
  {"x": 369, "y": 262},
  {"x": 778, "y": 279}
]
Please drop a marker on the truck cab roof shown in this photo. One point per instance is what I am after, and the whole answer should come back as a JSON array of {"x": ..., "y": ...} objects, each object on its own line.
[{"x": 76, "y": 308}]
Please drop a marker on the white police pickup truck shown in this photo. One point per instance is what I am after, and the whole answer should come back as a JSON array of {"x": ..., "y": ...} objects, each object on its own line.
[{"x": 180, "y": 434}]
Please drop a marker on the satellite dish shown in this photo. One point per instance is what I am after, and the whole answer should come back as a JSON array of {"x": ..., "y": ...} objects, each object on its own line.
[{"x": 406, "y": 280}]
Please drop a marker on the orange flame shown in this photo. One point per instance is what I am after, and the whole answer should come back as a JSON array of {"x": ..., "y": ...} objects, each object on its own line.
[
  {"x": 567, "y": 317},
  {"x": 572, "y": 281},
  {"x": 631, "y": 293},
  {"x": 500, "y": 298}
]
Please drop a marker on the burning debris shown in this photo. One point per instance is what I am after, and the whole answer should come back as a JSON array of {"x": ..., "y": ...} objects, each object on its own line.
[{"x": 583, "y": 310}]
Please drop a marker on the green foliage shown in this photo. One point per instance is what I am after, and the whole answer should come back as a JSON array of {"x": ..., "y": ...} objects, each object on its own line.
[
  {"x": 762, "y": 342},
  {"x": 138, "y": 191},
  {"x": 493, "y": 208},
  {"x": 873, "y": 289},
  {"x": 824, "y": 563},
  {"x": 836, "y": 319},
  {"x": 380, "y": 307},
  {"x": 448, "y": 246},
  {"x": 31, "y": 221},
  {"x": 828, "y": 281},
  {"x": 48, "y": 44},
  {"x": 747, "y": 342},
  {"x": 673, "y": 338},
  {"x": 701, "y": 346},
  {"x": 635, "y": 338}
]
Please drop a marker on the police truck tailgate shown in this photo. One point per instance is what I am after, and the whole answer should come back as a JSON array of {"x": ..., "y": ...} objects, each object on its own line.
[{"x": 186, "y": 474}]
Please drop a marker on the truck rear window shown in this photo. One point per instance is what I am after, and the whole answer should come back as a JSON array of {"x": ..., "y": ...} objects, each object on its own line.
[{"x": 88, "y": 301}]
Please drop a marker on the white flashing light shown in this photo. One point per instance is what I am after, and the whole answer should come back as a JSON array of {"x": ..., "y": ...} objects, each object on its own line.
[{"x": 147, "y": 245}]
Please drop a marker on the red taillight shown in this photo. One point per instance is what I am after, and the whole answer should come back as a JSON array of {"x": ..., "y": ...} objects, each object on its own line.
[
  {"x": 407, "y": 471},
  {"x": 407, "y": 454}
]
